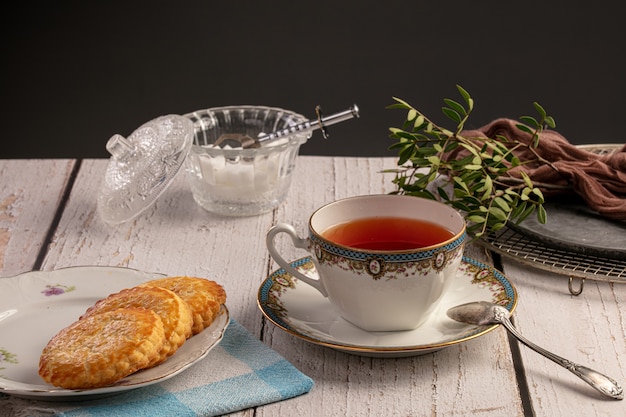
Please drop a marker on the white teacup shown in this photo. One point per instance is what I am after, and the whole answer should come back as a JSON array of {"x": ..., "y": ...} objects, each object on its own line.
[{"x": 382, "y": 260}]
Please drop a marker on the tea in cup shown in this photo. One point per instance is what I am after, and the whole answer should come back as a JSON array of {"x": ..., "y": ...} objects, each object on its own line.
[{"x": 383, "y": 261}]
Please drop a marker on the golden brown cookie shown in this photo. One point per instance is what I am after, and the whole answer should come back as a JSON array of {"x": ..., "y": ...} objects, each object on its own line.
[
  {"x": 173, "y": 311},
  {"x": 204, "y": 297},
  {"x": 102, "y": 348}
]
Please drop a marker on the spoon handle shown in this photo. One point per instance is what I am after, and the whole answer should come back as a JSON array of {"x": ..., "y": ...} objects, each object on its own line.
[
  {"x": 600, "y": 382},
  {"x": 320, "y": 123}
]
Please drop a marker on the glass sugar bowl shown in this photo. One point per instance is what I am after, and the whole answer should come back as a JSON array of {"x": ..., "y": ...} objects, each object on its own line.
[{"x": 228, "y": 172}]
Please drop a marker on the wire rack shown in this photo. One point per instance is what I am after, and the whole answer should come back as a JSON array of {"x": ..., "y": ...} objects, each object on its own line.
[
  {"x": 509, "y": 243},
  {"x": 575, "y": 265}
]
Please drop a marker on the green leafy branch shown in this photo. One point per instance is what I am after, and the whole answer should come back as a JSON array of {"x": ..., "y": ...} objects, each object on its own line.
[{"x": 476, "y": 183}]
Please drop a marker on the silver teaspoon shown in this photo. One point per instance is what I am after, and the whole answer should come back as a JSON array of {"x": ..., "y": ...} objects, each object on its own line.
[{"x": 484, "y": 313}]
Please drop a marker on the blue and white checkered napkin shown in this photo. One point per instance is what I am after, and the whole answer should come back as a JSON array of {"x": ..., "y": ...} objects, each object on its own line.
[{"x": 239, "y": 373}]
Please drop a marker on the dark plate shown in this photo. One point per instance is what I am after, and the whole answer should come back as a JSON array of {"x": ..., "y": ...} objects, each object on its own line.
[{"x": 573, "y": 226}]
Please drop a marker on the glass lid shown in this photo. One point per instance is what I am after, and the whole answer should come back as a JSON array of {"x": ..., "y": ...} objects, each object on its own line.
[{"x": 142, "y": 166}]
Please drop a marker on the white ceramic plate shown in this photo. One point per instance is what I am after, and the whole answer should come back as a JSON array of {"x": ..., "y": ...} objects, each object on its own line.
[
  {"x": 303, "y": 312},
  {"x": 34, "y": 306}
]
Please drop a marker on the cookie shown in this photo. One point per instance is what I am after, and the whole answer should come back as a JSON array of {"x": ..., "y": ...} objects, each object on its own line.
[
  {"x": 174, "y": 313},
  {"x": 204, "y": 297},
  {"x": 102, "y": 348}
]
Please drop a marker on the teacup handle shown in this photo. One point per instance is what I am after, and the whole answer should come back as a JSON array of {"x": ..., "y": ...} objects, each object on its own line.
[{"x": 298, "y": 242}]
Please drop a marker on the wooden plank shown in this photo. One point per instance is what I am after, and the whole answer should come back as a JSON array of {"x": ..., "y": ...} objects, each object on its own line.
[
  {"x": 30, "y": 193},
  {"x": 588, "y": 329}
]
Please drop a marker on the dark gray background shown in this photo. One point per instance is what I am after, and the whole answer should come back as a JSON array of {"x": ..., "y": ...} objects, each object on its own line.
[{"x": 75, "y": 73}]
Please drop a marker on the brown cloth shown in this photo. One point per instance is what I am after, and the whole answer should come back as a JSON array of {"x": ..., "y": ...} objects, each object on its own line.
[{"x": 599, "y": 179}]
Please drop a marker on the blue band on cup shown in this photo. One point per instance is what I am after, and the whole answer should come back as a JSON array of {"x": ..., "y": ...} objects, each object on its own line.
[{"x": 387, "y": 257}]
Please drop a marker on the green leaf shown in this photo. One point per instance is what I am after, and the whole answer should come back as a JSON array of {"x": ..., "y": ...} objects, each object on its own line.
[
  {"x": 434, "y": 160},
  {"x": 397, "y": 145},
  {"x": 487, "y": 185},
  {"x": 497, "y": 213},
  {"x": 527, "y": 212},
  {"x": 502, "y": 204},
  {"x": 530, "y": 121},
  {"x": 459, "y": 205},
  {"x": 400, "y": 103},
  {"x": 486, "y": 189},
  {"x": 424, "y": 194},
  {"x": 465, "y": 96},
  {"x": 405, "y": 154},
  {"x": 451, "y": 114},
  {"x": 540, "y": 110},
  {"x": 395, "y": 130},
  {"x": 396, "y": 106},
  {"x": 477, "y": 219},
  {"x": 524, "y": 128},
  {"x": 455, "y": 106},
  {"x": 419, "y": 122},
  {"x": 526, "y": 179},
  {"x": 472, "y": 167},
  {"x": 539, "y": 195},
  {"x": 542, "y": 215},
  {"x": 459, "y": 182},
  {"x": 518, "y": 210},
  {"x": 470, "y": 148},
  {"x": 497, "y": 226}
]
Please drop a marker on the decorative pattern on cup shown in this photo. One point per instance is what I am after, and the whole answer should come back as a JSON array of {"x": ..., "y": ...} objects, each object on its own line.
[
  {"x": 281, "y": 281},
  {"x": 392, "y": 265}
]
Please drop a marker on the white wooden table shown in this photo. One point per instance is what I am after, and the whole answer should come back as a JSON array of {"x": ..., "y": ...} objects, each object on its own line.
[{"x": 48, "y": 220}]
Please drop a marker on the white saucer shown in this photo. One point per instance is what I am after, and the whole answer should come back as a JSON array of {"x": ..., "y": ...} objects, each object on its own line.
[
  {"x": 34, "y": 306},
  {"x": 303, "y": 312}
]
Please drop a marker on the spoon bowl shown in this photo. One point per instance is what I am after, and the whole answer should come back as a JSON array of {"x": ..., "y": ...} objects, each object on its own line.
[{"x": 484, "y": 313}]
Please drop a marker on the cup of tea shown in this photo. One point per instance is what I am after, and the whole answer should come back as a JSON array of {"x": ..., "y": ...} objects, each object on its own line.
[{"x": 383, "y": 261}]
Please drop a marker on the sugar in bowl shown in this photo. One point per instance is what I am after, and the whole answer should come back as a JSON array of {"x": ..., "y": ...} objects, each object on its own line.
[{"x": 233, "y": 174}]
